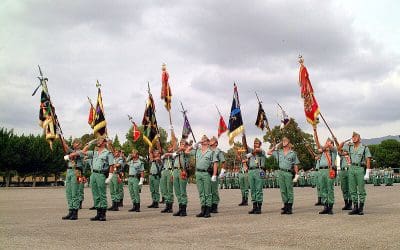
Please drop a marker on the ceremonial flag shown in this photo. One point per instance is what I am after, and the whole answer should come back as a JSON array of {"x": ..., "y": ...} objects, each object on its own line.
[
  {"x": 165, "y": 88},
  {"x": 46, "y": 117},
  {"x": 187, "y": 129},
  {"x": 222, "y": 128},
  {"x": 284, "y": 117},
  {"x": 149, "y": 122},
  {"x": 135, "y": 132},
  {"x": 235, "y": 118},
  {"x": 261, "y": 121},
  {"x": 91, "y": 117},
  {"x": 99, "y": 123},
  {"x": 311, "y": 108}
]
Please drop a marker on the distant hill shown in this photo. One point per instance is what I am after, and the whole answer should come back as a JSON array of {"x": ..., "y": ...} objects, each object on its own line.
[{"x": 374, "y": 141}]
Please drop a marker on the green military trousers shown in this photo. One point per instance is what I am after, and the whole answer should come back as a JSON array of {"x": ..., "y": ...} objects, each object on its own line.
[
  {"x": 244, "y": 185},
  {"x": 99, "y": 190},
  {"x": 155, "y": 187},
  {"x": 214, "y": 192},
  {"x": 203, "y": 182},
  {"x": 357, "y": 184},
  {"x": 327, "y": 187},
  {"x": 72, "y": 190},
  {"x": 256, "y": 185},
  {"x": 180, "y": 187},
  {"x": 344, "y": 183},
  {"x": 166, "y": 186},
  {"x": 133, "y": 186},
  {"x": 121, "y": 190},
  {"x": 285, "y": 180},
  {"x": 114, "y": 188}
]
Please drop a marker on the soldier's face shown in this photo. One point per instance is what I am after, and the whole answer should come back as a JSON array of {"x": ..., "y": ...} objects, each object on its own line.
[
  {"x": 76, "y": 145},
  {"x": 205, "y": 142},
  {"x": 285, "y": 142},
  {"x": 100, "y": 142},
  {"x": 256, "y": 144},
  {"x": 355, "y": 138}
]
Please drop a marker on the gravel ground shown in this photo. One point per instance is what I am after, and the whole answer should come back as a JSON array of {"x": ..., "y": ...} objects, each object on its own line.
[{"x": 31, "y": 218}]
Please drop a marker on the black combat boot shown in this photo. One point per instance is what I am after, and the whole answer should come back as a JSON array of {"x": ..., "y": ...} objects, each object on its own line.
[
  {"x": 289, "y": 208},
  {"x": 245, "y": 202},
  {"x": 346, "y": 204},
  {"x": 355, "y": 209},
  {"x": 152, "y": 205},
  {"x": 207, "y": 211},
  {"x": 361, "y": 209},
  {"x": 254, "y": 208},
  {"x": 137, "y": 205},
  {"x": 68, "y": 216},
  {"x": 258, "y": 210},
  {"x": 93, "y": 208},
  {"x": 183, "y": 211},
  {"x": 162, "y": 200},
  {"x": 97, "y": 217},
  {"x": 112, "y": 207},
  {"x": 179, "y": 212},
  {"x": 121, "y": 203},
  {"x": 168, "y": 208},
  {"x": 350, "y": 204},
  {"x": 201, "y": 214},
  {"x": 214, "y": 208},
  {"x": 241, "y": 203},
  {"x": 80, "y": 204},
  {"x": 330, "y": 207},
  {"x": 74, "y": 215},
  {"x": 319, "y": 202},
  {"x": 102, "y": 214},
  {"x": 284, "y": 209},
  {"x": 155, "y": 205},
  {"x": 326, "y": 209},
  {"x": 133, "y": 209}
]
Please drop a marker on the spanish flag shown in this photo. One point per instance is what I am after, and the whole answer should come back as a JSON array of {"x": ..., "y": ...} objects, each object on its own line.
[
  {"x": 311, "y": 108},
  {"x": 235, "y": 119}
]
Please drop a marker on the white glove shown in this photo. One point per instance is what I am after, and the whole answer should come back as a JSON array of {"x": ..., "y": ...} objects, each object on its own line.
[
  {"x": 66, "y": 157},
  {"x": 196, "y": 145},
  {"x": 249, "y": 155},
  {"x": 296, "y": 177},
  {"x": 110, "y": 175},
  {"x": 214, "y": 178},
  {"x": 174, "y": 155},
  {"x": 141, "y": 180},
  {"x": 366, "y": 176},
  {"x": 222, "y": 174},
  {"x": 162, "y": 157}
]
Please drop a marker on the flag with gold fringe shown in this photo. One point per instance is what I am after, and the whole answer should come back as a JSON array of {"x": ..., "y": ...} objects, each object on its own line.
[
  {"x": 99, "y": 123},
  {"x": 149, "y": 122},
  {"x": 166, "y": 94},
  {"x": 235, "y": 119},
  {"x": 311, "y": 108}
]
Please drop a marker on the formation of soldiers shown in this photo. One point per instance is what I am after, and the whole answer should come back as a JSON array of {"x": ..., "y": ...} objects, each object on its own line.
[{"x": 168, "y": 175}]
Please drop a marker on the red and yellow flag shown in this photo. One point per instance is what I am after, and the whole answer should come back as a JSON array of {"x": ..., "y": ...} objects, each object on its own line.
[
  {"x": 166, "y": 94},
  {"x": 311, "y": 108}
]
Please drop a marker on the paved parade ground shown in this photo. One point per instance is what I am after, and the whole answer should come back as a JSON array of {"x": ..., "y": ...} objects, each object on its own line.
[{"x": 30, "y": 218}]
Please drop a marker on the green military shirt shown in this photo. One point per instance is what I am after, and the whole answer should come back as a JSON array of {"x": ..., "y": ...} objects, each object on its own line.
[
  {"x": 358, "y": 156},
  {"x": 168, "y": 163},
  {"x": 101, "y": 161},
  {"x": 155, "y": 167},
  {"x": 220, "y": 155},
  {"x": 180, "y": 161},
  {"x": 77, "y": 161},
  {"x": 287, "y": 161},
  {"x": 121, "y": 163},
  {"x": 135, "y": 166},
  {"x": 323, "y": 162},
  {"x": 256, "y": 161},
  {"x": 204, "y": 161}
]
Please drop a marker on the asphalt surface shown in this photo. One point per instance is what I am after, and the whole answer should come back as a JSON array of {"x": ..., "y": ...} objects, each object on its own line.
[{"x": 30, "y": 218}]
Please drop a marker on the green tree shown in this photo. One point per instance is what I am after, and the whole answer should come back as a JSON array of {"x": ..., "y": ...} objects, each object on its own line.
[
  {"x": 116, "y": 143},
  {"x": 386, "y": 154}
]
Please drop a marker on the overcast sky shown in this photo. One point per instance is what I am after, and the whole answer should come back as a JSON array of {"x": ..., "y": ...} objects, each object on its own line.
[{"x": 351, "y": 50}]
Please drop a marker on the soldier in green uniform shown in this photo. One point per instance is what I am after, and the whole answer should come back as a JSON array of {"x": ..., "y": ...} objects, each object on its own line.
[
  {"x": 181, "y": 165},
  {"x": 326, "y": 166},
  {"x": 317, "y": 181},
  {"x": 121, "y": 176},
  {"x": 214, "y": 185},
  {"x": 103, "y": 159},
  {"x": 166, "y": 182},
  {"x": 287, "y": 162},
  {"x": 75, "y": 166},
  {"x": 243, "y": 180},
  {"x": 206, "y": 162},
  {"x": 155, "y": 176},
  {"x": 89, "y": 164},
  {"x": 136, "y": 178},
  {"x": 344, "y": 177},
  {"x": 360, "y": 157},
  {"x": 390, "y": 177},
  {"x": 254, "y": 163},
  {"x": 112, "y": 180}
]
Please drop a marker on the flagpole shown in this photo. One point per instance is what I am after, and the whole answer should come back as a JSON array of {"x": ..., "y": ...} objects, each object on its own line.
[{"x": 326, "y": 124}]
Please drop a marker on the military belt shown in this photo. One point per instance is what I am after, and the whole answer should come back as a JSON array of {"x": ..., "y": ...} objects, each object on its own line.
[
  {"x": 97, "y": 171},
  {"x": 325, "y": 167},
  {"x": 70, "y": 168},
  {"x": 132, "y": 176},
  {"x": 202, "y": 170},
  {"x": 286, "y": 170}
]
